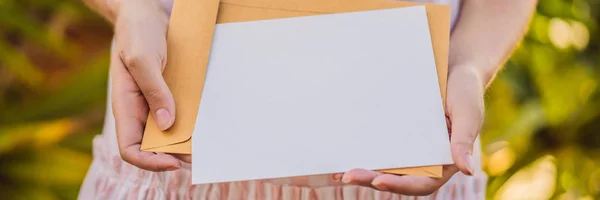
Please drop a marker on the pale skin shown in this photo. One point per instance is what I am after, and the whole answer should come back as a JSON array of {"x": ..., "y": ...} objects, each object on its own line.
[{"x": 485, "y": 34}]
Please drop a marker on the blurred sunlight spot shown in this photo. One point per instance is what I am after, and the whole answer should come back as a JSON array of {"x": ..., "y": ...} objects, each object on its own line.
[
  {"x": 484, "y": 161},
  {"x": 57, "y": 166},
  {"x": 567, "y": 196},
  {"x": 587, "y": 198},
  {"x": 580, "y": 36},
  {"x": 53, "y": 132},
  {"x": 500, "y": 160},
  {"x": 37, "y": 134},
  {"x": 559, "y": 33},
  {"x": 531, "y": 183}
]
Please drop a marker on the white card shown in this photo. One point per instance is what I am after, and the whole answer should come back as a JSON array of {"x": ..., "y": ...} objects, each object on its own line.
[{"x": 318, "y": 95}]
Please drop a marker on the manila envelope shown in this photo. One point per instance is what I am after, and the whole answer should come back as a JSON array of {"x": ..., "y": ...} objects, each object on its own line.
[{"x": 189, "y": 42}]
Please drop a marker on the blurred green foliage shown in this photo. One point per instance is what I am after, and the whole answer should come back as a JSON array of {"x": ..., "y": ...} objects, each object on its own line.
[
  {"x": 542, "y": 131},
  {"x": 53, "y": 79},
  {"x": 541, "y": 138}
]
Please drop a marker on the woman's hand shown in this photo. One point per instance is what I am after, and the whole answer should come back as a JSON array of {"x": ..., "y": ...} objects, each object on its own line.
[
  {"x": 138, "y": 86},
  {"x": 465, "y": 112},
  {"x": 474, "y": 61}
]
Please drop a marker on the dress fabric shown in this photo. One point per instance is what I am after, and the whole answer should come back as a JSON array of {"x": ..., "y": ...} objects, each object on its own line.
[{"x": 109, "y": 177}]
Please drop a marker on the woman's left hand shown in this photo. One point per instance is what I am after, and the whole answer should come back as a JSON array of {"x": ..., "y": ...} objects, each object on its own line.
[{"x": 464, "y": 111}]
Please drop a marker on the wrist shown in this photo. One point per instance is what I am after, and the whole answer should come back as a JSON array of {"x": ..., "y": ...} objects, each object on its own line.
[
  {"x": 106, "y": 8},
  {"x": 485, "y": 67},
  {"x": 137, "y": 11},
  {"x": 473, "y": 70},
  {"x": 119, "y": 7},
  {"x": 112, "y": 7}
]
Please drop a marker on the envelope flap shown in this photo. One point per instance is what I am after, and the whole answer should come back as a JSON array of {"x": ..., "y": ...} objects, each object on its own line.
[
  {"x": 189, "y": 47},
  {"x": 430, "y": 171},
  {"x": 319, "y": 6}
]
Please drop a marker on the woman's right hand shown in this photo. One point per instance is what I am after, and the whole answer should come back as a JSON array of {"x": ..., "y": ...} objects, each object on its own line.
[{"x": 138, "y": 87}]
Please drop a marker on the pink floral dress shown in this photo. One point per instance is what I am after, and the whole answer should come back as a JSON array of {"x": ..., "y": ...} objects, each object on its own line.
[{"x": 109, "y": 177}]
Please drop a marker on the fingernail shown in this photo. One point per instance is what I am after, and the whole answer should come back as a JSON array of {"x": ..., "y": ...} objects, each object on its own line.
[
  {"x": 346, "y": 179},
  {"x": 163, "y": 119},
  {"x": 174, "y": 167},
  {"x": 469, "y": 163},
  {"x": 337, "y": 177},
  {"x": 378, "y": 185}
]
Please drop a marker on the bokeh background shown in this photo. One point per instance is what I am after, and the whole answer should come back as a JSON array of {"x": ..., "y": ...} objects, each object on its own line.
[{"x": 541, "y": 138}]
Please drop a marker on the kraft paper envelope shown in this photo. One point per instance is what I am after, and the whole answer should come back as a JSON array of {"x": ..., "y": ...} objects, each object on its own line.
[
  {"x": 317, "y": 95},
  {"x": 189, "y": 42}
]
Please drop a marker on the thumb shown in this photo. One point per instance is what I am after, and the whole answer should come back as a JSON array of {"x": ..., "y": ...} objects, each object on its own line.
[{"x": 466, "y": 111}]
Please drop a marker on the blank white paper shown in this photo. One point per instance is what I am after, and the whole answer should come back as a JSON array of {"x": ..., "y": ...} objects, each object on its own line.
[{"x": 318, "y": 95}]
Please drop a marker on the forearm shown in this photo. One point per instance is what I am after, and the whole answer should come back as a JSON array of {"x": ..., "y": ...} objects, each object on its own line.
[
  {"x": 486, "y": 33},
  {"x": 109, "y": 8},
  {"x": 106, "y": 8}
]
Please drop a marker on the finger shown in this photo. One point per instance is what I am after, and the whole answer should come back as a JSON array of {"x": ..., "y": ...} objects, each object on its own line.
[
  {"x": 465, "y": 107},
  {"x": 359, "y": 177},
  {"x": 412, "y": 185},
  {"x": 148, "y": 160},
  {"x": 183, "y": 157},
  {"x": 448, "y": 125},
  {"x": 130, "y": 113}
]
